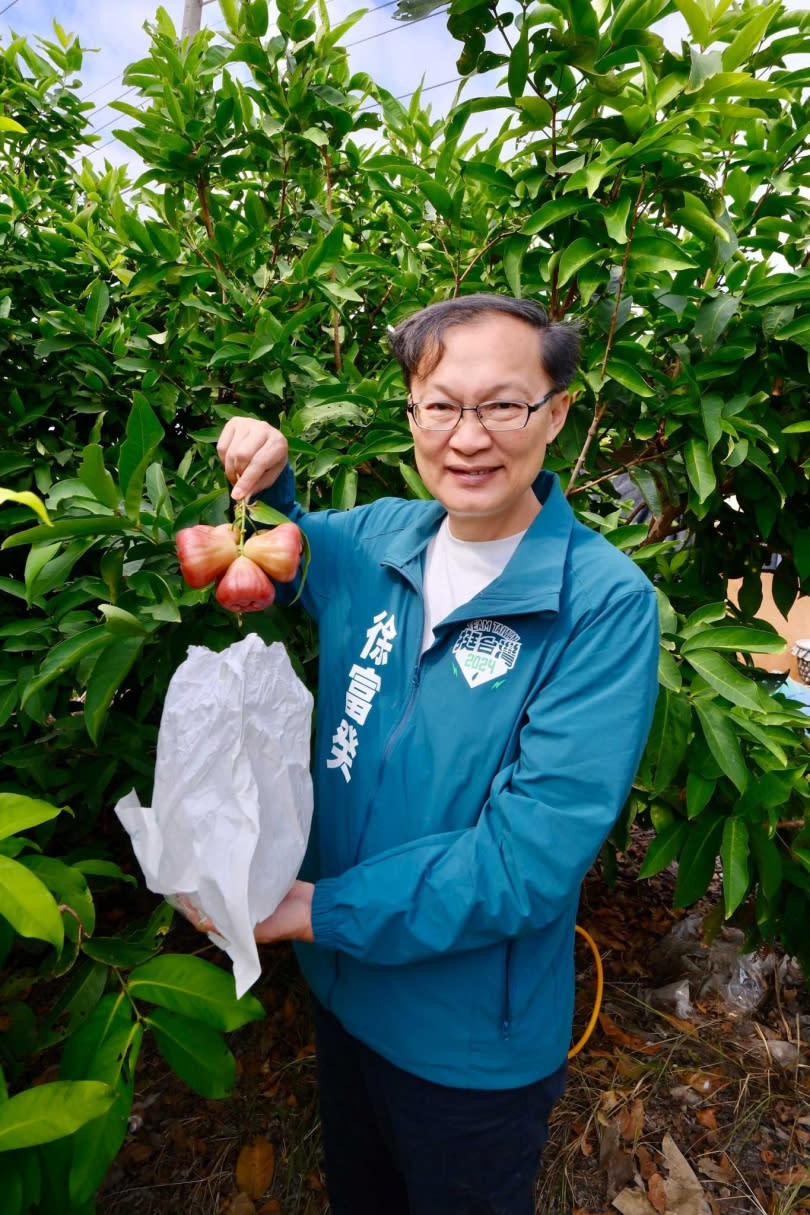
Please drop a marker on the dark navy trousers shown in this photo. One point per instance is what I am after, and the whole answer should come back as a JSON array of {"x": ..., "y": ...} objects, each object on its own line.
[{"x": 399, "y": 1145}]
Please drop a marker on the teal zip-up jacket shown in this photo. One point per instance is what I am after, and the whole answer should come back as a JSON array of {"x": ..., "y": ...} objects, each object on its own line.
[{"x": 461, "y": 797}]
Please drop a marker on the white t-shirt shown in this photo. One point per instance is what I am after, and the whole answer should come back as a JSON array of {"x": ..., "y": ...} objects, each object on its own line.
[{"x": 457, "y": 570}]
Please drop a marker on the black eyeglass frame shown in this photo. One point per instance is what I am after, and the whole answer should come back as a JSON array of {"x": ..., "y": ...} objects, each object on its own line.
[{"x": 412, "y": 406}]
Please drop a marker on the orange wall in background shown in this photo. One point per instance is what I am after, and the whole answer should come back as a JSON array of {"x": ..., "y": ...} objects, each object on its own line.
[{"x": 796, "y": 627}]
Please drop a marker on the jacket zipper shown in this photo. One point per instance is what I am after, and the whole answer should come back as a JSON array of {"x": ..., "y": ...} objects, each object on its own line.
[{"x": 506, "y": 1017}]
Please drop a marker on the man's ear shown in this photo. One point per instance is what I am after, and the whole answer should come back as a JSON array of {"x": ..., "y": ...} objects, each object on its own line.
[{"x": 559, "y": 412}]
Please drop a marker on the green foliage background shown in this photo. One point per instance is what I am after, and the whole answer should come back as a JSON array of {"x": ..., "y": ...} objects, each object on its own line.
[{"x": 288, "y": 212}]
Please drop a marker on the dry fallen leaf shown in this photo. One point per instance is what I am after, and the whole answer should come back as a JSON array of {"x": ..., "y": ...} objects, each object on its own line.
[
  {"x": 631, "y": 1120},
  {"x": 241, "y": 1205},
  {"x": 254, "y": 1168},
  {"x": 616, "y": 1162},
  {"x": 798, "y": 1175},
  {"x": 657, "y": 1193},
  {"x": 707, "y": 1118},
  {"x": 646, "y": 1164},
  {"x": 684, "y": 1192},
  {"x": 631, "y": 1041},
  {"x": 634, "y": 1202}
]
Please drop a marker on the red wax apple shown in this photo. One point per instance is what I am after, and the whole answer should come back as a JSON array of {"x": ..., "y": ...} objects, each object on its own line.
[
  {"x": 278, "y": 552},
  {"x": 205, "y": 552},
  {"x": 244, "y": 587}
]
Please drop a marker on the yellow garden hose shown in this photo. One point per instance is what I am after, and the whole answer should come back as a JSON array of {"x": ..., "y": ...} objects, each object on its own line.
[{"x": 600, "y": 985}]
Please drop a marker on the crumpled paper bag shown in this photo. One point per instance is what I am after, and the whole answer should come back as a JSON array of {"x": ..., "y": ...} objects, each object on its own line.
[{"x": 232, "y": 801}]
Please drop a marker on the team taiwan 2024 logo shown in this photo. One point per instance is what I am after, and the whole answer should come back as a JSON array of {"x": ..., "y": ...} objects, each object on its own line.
[{"x": 486, "y": 650}]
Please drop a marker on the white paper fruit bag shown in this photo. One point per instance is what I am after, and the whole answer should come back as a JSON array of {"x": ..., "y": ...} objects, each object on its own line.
[{"x": 232, "y": 801}]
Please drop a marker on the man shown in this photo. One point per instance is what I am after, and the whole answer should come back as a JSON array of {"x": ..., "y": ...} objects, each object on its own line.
[{"x": 487, "y": 681}]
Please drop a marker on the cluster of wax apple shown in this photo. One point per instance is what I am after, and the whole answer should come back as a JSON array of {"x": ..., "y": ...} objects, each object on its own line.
[{"x": 239, "y": 566}]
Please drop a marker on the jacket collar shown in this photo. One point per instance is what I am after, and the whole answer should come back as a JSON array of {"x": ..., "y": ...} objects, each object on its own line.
[{"x": 533, "y": 579}]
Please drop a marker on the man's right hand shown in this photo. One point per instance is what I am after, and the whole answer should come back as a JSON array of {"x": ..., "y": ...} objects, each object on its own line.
[{"x": 253, "y": 454}]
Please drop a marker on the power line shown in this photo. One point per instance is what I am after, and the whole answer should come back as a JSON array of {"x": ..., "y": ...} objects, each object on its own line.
[
  {"x": 105, "y": 85},
  {"x": 397, "y": 29},
  {"x": 8, "y": 6}
]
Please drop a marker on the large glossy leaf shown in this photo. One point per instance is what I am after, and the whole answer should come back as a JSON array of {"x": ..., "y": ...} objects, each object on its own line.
[
  {"x": 67, "y": 885},
  {"x": 734, "y": 852},
  {"x": 64, "y": 656},
  {"x": 50, "y": 1111},
  {"x": 144, "y": 433},
  {"x": 27, "y": 904},
  {"x": 722, "y": 741},
  {"x": 111, "y": 667},
  {"x": 725, "y": 679},
  {"x": 25, "y": 498},
  {"x": 194, "y": 988},
  {"x": 668, "y": 740},
  {"x": 195, "y": 1051},
  {"x": 735, "y": 637},
  {"x": 19, "y": 813},
  {"x": 697, "y": 860}
]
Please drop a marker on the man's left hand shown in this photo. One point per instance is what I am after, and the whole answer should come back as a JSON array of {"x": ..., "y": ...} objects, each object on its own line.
[{"x": 292, "y": 919}]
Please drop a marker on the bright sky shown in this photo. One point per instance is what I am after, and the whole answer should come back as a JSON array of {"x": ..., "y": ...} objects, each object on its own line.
[{"x": 114, "y": 29}]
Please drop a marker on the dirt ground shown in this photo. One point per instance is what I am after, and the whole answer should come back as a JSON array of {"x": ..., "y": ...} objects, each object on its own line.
[{"x": 692, "y": 1096}]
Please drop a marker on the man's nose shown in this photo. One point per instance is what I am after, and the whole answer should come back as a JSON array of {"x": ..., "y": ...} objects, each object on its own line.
[{"x": 470, "y": 434}]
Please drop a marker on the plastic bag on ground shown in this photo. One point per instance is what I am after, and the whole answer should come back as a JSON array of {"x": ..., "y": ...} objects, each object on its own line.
[{"x": 232, "y": 801}]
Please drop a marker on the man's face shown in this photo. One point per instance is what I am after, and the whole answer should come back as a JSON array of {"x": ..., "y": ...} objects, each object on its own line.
[{"x": 483, "y": 478}]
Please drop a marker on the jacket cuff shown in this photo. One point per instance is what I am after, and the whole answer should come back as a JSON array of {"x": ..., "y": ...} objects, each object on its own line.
[
  {"x": 281, "y": 494},
  {"x": 324, "y": 914}
]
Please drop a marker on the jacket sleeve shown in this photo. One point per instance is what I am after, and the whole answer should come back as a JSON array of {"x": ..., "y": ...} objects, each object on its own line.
[
  {"x": 547, "y": 815},
  {"x": 323, "y": 530}
]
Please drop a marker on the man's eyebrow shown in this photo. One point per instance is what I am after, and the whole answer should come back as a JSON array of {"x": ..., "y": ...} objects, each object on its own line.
[{"x": 507, "y": 390}]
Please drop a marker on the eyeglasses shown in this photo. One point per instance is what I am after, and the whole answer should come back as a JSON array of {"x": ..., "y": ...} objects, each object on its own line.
[{"x": 493, "y": 415}]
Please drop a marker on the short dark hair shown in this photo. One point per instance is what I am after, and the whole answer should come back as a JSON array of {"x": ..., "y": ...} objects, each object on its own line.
[{"x": 418, "y": 347}]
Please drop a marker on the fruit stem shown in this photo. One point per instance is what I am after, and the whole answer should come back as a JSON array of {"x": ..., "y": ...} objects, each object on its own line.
[{"x": 241, "y": 515}]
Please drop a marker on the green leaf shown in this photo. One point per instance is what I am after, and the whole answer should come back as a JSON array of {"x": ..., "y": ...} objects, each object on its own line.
[
  {"x": 713, "y": 318},
  {"x": 550, "y": 213},
  {"x": 51, "y": 1111},
  {"x": 18, "y": 813},
  {"x": 231, "y": 15},
  {"x": 575, "y": 256},
  {"x": 668, "y": 740},
  {"x": 9, "y": 124},
  {"x": 28, "y": 905},
  {"x": 735, "y": 637},
  {"x": 114, "y": 951},
  {"x": 628, "y": 377},
  {"x": 195, "y": 1052},
  {"x": 697, "y": 859},
  {"x": 26, "y": 499},
  {"x": 699, "y": 468},
  {"x": 734, "y": 855},
  {"x": 98, "y": 525},
  {"x": 699, "y": 792},
  {"x": 767, "y": 859},
  {"x": 664, "y": 849},
  {"x": 514, "y": 250},
  {"x": 144, "y": 433},
  {"x": 94, "y": 475},
  {"x": 64, "y": 656},
  {"x": 414, "y": 482},
  {"x": 97, "y": 305},
  {"x": 194, "y": 988},
  {"x": 111, "y": 667},
  {"x": 66, "y": 884},
  {"x": 747, "y": 39},
  {"x": 724, "y": 678},
  {"x": 722, "y": 741},
  {"x": 696, "y": 19},
  {"x": 519, "y": 64}
]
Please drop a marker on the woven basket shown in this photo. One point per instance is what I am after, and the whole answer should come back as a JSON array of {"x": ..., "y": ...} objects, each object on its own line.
[{"x": 802, "y": 651}]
